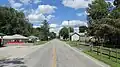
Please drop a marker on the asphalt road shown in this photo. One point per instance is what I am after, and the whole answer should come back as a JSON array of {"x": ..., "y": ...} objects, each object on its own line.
[{"x": 57, "y": 54}]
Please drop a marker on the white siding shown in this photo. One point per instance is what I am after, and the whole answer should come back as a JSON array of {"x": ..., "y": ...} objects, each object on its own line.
[{"x": 75, "y": 37}]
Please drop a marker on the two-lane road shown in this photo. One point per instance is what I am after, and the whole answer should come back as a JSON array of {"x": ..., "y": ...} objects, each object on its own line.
[
  {"x": 52, "y": 54},
  {"x": 57, "y": 54}
]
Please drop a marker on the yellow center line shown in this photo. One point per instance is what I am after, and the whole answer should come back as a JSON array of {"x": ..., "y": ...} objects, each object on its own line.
[{"x": 54, "y": 57}]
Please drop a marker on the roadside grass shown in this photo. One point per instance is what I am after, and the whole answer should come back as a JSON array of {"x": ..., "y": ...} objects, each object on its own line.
[
  {"x": 40, "y": 42},
  {"x": 103, "y": 58},
  {"x": 73, "y": 43}
]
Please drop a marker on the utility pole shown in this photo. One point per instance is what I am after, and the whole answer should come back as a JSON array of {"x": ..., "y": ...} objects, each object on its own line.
[{"x": 69, "y": 29}]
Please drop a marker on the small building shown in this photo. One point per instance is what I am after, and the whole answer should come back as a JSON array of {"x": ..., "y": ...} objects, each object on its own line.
[
  {"x": 77, "y": 36},
  {"x": 15, "y": 39},
  {"x": 74, "y": 36}
]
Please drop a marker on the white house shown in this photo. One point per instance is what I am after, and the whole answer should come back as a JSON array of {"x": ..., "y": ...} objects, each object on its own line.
[
  {"x": 77, "y": 36},
  {"x": 74, "y": 36}
]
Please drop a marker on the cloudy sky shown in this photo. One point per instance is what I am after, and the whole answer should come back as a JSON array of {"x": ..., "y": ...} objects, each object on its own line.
[{"x": 57, "y": 12}]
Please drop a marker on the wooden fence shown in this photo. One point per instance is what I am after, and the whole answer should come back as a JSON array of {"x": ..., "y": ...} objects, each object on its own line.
[{"x": 109, "y": 52}]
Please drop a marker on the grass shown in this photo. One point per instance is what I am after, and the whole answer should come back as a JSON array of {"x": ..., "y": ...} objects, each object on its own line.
[
  {"x": 103, "y": 58},
  {"x": 40, "y": 42},
  {"x": 73, "y": 43},
  {"x": 107, "y": 51}
]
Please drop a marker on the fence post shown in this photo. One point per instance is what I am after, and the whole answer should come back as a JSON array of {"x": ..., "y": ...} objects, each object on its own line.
[
  {"x": 97, "y": 50},
  {"x": 101, "y": 51},
  {"x": 109, "y": 53},
  {"x": 116, "y": 55}
]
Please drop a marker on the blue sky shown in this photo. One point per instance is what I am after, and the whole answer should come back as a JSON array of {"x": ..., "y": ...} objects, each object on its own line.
[{"x": 57, "y": 12}]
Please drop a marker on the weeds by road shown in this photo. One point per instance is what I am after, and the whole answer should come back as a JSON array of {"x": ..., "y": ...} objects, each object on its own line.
[
  {"x": 86, "y": 49},
  {"x": 103, "y": 59}
]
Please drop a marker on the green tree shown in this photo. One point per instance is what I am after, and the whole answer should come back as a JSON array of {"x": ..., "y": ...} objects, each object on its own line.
[
  {"x": 106, "y": 25},
  {"x": 36, "y": 32},
  {"x": 52, "y": 35},
  {"x": 64, "y": 33},
  {"x": 82, "y": 29},
  {"x": 44, "y": 32},
  {"x": 71, "y": 29},
  {"x": 117, "y": 3},
  {"x": 96, "y": 11},
  {"x": 14, "y": 22}
]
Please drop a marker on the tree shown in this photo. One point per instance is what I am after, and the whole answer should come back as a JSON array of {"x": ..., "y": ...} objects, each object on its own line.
[
  {"x": 44, "y": 33},
  {"x": 104, "y": 23},
  {"x": 82, "y": 29},
  {"x": 64, "y": 33},
  {"x": 36, "y": 32},
  {"x": 96, "y": 11},
  {"x": 117, "y": 3},
  {"x": 71, "y": 29},
  {"x": 52, "y": 35},
  {"x": 14, "y": 22}
]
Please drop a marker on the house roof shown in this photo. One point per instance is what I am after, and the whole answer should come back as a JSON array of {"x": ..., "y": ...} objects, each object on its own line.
[
  {"x": 16, "y": 36},
  {"x": 79, "y": 34}
]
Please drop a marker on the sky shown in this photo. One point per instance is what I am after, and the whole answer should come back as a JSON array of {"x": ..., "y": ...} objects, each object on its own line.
[{"x": 56, "y": 12}]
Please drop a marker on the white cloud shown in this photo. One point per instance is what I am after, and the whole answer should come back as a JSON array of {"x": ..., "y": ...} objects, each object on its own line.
[
  {"x": 76, "y": 4},
  {"x": 22, "y": 9},
  {"x": 11, "y": 1},
  {"x": 37, "y": 1},
  {"x": 53, "y": 25},
  {"x": 36, "y": 17},
  {"x": 74, "y": 23},
  {"x": 38, "y": 14},
  {"x": 36, "y": 26},
  {"x": 56, "y": 30},
  {"x": 49, "y": 17},
  {"x": 30, "y": 1},
  {"x": 80, "y": 14},
  {"x": 15, "y": 4},
  {"x": 25, "y": 1},
  {"x": 46, "y": 9},
  {"x": 76, "y": 29}
]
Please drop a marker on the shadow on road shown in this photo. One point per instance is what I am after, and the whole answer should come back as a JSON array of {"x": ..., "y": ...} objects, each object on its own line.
[{"x": 14, "y": 62}]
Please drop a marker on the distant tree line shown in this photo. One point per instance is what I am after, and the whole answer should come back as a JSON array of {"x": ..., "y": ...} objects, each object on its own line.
[
  {"x": 65, "y": 32},
  {"x": 14, "y": 22},
  {"x": 43, "y": 31}
]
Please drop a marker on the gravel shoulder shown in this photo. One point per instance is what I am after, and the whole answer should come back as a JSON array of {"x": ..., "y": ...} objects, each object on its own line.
[{"x": 17, "y": 51}]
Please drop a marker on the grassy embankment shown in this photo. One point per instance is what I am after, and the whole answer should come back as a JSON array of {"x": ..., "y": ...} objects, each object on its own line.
[{"x": 104, "y": 58}]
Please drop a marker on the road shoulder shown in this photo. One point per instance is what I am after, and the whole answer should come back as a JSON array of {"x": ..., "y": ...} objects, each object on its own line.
[{"x": 102, "y": 64}]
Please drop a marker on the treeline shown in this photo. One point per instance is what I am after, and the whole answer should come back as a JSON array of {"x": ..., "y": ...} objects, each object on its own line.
[
  {"x": 43, "y": 32},
  {"x": 14, "y": 22},
  {"x": 65, "y": 32},
  {"x": 104, "y": 21}
]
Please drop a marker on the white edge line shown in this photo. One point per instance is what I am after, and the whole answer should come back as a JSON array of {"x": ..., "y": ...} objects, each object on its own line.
[{"x": 91, "y": 58}]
